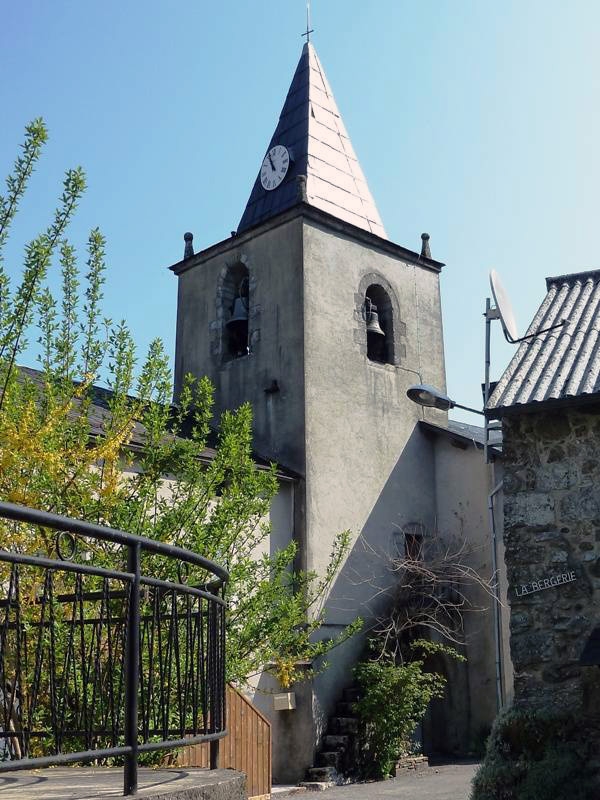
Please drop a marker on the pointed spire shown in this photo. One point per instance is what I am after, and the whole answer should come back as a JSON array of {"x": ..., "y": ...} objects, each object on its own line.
[{"x": 311, "y": 128}]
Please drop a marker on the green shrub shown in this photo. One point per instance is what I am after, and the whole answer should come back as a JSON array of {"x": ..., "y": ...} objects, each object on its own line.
[
  {"x": 394, "y": 699},
  {"x": 537, "y": 755}
]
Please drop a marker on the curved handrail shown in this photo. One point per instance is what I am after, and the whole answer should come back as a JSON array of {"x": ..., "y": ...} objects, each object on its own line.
[
  {"x": 58, "y": 522},
  {"x": 146, "y": 631}
]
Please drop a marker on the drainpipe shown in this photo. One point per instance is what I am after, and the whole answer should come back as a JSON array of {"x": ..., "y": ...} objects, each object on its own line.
[{"x": 497, "y": 630}]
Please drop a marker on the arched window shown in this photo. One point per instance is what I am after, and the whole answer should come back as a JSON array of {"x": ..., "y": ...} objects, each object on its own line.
[
  {"x": 236, "y": 306},
  {"x": 379, "y": 321}
]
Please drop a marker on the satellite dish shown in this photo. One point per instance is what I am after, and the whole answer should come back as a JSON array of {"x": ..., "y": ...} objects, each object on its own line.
[{"x": 504, "y": 308}]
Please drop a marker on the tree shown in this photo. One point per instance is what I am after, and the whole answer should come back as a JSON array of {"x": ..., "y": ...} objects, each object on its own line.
[
  {"x": 432, "y": 585},
  {"x": 50, "y": 460}
]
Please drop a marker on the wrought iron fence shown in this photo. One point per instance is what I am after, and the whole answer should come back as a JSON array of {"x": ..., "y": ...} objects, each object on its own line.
[{"x": 111, "y": 649}]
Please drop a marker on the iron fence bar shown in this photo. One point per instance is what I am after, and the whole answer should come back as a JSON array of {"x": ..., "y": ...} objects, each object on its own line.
[
  {"x": 149, "y": 747},
  {"x": 116, "y": 594},
  {"x": 96, "y": 620},
  {"x": 222, "y": 690},
  {"x": 132, "y": 668},
  {"x": 181, "y": 588},
  {"x": 63, "y": 758},
  {"x": 57, "y": 522},
  {"x": 214, "y": 754},
  {"x": 68, "y": 566},
  {"x": 191, "y": 731},
  {"x": 212, "y": 683}
]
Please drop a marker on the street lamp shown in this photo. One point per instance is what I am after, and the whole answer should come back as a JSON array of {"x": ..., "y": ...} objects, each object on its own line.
[{"x": 425, "y": 395}]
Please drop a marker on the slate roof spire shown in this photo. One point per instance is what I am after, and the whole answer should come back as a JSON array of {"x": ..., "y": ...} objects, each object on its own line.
[{"x": 311, "y": 128}]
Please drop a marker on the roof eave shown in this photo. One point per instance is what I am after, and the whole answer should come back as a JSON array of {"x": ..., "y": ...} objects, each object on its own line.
[
  {"x": 316, "y": 214},
  {"x": 536, "y": 406},
  {"x": 459, "y": 439}
]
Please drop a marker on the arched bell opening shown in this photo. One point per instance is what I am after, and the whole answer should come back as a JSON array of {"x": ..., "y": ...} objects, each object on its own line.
[
  {"x": 379, "y": 324},
  {"x": 236, "y": 307}
]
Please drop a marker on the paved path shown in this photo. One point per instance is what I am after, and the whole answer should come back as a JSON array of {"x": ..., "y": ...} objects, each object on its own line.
[
  {"x": 106, "y": 783},
  {"x": 447, "y": 782}
]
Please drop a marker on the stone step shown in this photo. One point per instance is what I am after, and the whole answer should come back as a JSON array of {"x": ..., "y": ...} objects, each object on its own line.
[
  {"x": 411, "y": 764},
  {"x": 343, "y": 725},
  {"x": 345, "y": 709},
  {"x": 320, "y": 774},
  {"x": 329, "y": 758},
  {"x": 351, "y": 695},
  {"x": 336, "y": 742},
  {"x": 316, "y": 786}
]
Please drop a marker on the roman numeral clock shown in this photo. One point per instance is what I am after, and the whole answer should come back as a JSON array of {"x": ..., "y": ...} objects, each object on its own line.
[{"x": 274, "y": 167}]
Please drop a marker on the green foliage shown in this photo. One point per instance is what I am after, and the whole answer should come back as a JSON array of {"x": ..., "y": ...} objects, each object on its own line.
[
  {"x": 478, "y": 742},
  {"x": 394, "y": 699},
  {"x": 172, "y": 492},
  {"x": 532, "y": 755}
]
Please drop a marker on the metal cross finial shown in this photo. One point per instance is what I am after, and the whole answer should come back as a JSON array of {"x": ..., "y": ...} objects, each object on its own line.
[{"x": 309, "y": 30}]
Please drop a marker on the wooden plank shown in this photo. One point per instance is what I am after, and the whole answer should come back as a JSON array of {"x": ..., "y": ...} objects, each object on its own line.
[{"x": 246, "y": 748}]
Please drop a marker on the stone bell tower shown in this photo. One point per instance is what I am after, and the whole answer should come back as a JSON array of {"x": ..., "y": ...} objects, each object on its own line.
[{"x": 315, "y": 317}]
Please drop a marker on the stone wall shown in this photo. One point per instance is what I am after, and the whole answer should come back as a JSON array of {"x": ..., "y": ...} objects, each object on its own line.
[{"x": 552, "y": 536}]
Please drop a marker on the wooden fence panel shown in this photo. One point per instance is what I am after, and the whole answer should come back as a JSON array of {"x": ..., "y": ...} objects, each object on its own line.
[{"x": 247, "y": 746}]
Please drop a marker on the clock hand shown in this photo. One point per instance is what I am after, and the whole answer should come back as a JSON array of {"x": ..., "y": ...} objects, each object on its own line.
[{"x": 271, "y": 162}]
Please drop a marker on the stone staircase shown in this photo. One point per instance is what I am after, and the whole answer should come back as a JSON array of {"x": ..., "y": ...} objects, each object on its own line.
[{"x": 337, "y": 757}]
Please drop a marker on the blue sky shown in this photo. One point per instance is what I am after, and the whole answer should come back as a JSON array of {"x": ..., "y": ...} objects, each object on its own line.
[{"x": 476, "y": 121}]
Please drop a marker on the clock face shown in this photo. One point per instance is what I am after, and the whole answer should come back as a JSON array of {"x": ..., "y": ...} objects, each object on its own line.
[{"x": 274, "y": 167}]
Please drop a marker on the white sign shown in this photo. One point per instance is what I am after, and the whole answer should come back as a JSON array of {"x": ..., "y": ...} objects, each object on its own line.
[{"x": 546, "y": 583}]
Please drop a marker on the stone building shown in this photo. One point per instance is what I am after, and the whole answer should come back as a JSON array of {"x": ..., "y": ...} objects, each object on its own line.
[
  {"x": 309, "y": 312},
  {"x": 549, "y": 402}
]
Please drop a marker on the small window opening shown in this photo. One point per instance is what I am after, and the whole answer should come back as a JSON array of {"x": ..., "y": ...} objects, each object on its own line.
[
  {"x": 413, "y": 546},
  {"x": 379, "y": 325}
]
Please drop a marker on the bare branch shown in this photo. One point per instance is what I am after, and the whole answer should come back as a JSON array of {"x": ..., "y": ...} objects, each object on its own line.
[{"x": 430, "y": 586}]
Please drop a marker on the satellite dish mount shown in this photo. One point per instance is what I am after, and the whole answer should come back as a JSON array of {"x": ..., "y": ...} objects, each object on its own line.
[{"x": 504, "y": 312}]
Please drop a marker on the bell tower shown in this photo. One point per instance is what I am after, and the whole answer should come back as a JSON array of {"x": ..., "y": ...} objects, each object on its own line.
[{"x": 309, "y": 312}]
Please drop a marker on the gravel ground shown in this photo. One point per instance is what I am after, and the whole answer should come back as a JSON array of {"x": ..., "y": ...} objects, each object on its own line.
[{"x": 444, "y": 782}]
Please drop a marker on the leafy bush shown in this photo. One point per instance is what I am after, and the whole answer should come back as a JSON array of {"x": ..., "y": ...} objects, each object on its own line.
[
  {"x": 533, "y": 755},
  {"x": 394, "y": 699}
]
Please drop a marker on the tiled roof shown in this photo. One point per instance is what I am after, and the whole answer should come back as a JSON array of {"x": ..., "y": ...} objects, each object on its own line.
[
  {"x": 311, "y": 127},
  {"x": 99, "y": 418},
  {"x": 471, "y": 434},
  {"x": 475, "y": 433},
  {"x": 564, "y": 363}
]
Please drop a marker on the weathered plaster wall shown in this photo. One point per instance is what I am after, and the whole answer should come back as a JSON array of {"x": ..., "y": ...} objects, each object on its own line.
[
  {"x": 357, "y": 412},
  {"x": 369, "y": 469},
  {"x": 463, "y": 482},
  {"x": 273, "y": 258},
  {"x": 462, "y": 486},
  {"x": 552, "y": 527}
]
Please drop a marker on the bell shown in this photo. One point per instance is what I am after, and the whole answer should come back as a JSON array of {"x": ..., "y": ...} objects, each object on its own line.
[
  {"x": 373, "y": 325},
  {"x": 239, "y": 313}
]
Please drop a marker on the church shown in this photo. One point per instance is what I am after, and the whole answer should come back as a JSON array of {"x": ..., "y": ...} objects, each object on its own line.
[{"x": 310, "y": 313}]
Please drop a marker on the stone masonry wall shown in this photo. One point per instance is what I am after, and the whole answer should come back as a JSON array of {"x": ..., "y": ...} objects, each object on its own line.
[{"x": 552, "y": 538}]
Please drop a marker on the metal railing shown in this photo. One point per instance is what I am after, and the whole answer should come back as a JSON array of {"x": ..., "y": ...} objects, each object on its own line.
[{"x": 110, "y": 650}]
